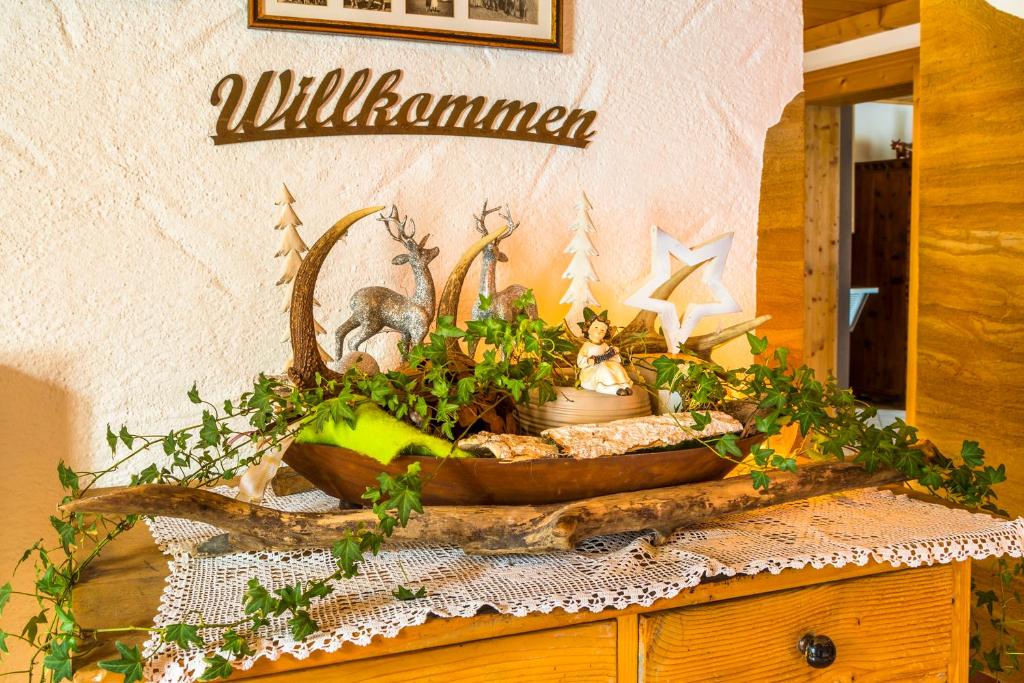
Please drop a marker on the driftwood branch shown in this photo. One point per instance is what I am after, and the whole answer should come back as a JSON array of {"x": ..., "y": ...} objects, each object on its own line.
[{"x": 486, "y": 529}]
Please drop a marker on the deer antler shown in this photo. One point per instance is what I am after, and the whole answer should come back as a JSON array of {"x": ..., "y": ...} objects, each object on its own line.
[
  {"x": 402, "y": 235},
  {"x": 481, "y": 220},
  {"x": 510, "y": 224},
  {"x": 307, "y": 363}
]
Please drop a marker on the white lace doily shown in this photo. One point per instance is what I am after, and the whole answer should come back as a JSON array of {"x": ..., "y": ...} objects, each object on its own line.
[{"x": 609, "y": 572}]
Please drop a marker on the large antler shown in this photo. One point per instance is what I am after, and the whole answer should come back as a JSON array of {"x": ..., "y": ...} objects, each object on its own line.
[
  {"x": 448, "y": 304},
  {"x": 307, "y": 363},
  {"x": 641, "y": 333},
  {"x": 481, "y": 220}
]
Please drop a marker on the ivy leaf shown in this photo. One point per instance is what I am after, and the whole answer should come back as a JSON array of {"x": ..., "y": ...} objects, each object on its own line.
[
  {"x": 761, "y": 480},
  {"x": 992, "y": 660},
  {"x": 52, "y": 582},
  {"x": 665, "y": 370},
  {"x": 986, "y": 599},
  {"x": 65, "y": 532},
  {"x": 403, "y": 593},
  {"x": 784, "y": 464},
  {"x": 5, "y": 595},
  {"x": 3, "y": 641},
  {"x": 348, "y": 554},
  {"x": 291, "y": 598},
  {"x": 405, "y": 502},
  {"x": 762, "y": 454},
  {"x": 129, "y": 664},
  {"x": 58, "y": 660},
  {"x": 65, "y": 621},
  {"x": 446, "y": 328},
  {"x": 728, "y": 445},
  {"x": 767, "y": 424},
  {"x": 126, "y": 438},
  {"x": 193, "y": 394},
  {"x": 209, "y": 434},
  {"x": 236, "y": 644},
  {"x": 258, "y": 599},
  {"x": 217, "y": 667},
  {"x": 700, "y": 420},
  {"x": 993, "y": 475},
  {"x": 758, "y": 345},
  {"x": 317, "y": 590},
  {"x": 930, "y": 478},
  {"x": 111, "y": 439},
  {"x": 147, "y": 475},
  {"x": 972, "y": 454},
  {"x": 464, "y": 390},
  {"x": 302, "y": 625},
  {"x": 67, "y": 476},
  {"x": 183, "y": 635}
]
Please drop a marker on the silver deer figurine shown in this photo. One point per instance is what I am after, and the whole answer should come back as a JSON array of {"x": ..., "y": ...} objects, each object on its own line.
[
  {"x": 503, "y": 303},
  {"x": 374, "y": 308}
]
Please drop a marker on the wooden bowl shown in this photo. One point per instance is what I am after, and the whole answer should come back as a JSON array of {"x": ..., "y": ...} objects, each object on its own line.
[
  {"x": 580, "y": 406},
  {"x": 346, "y": 474}
]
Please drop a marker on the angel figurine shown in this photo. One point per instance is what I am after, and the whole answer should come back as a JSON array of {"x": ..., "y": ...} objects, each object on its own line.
[{"x": 600, "y": 365}]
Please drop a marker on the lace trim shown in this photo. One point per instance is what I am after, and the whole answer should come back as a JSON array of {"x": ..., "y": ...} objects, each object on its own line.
[{"x": 609, "y": 572}]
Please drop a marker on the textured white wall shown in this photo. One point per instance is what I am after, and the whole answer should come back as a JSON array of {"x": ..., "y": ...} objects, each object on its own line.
[{"x": 137, "y": 257}]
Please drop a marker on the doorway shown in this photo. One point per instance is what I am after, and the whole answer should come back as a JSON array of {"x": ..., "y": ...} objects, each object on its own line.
[
  {"x": 875, "y": 246},
  {"x": 808, "y": 192}
]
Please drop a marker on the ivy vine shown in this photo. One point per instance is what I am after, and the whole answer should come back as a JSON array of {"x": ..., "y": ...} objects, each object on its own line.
[{"x": 522, "y": 361}]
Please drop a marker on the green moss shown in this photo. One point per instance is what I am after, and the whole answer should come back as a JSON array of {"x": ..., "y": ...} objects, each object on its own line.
[{"x": 380, "y": 436}]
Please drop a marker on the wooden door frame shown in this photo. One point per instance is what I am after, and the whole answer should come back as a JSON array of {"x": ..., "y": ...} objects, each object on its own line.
[
  {"x": 798, "y": 258},
  {"x": 825, "y": 92}
]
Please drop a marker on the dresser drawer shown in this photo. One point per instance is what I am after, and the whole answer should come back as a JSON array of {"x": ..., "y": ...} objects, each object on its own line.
[
  {"x": 899, "y": 626},
  {"x": 585, "y": 653}
]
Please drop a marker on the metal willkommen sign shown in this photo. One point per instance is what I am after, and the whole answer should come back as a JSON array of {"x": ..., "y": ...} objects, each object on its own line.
[{"x": 282, "y": 106}]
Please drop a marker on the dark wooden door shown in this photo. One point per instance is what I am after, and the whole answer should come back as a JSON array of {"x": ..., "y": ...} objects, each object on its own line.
[{"x": 881, "y": 258}]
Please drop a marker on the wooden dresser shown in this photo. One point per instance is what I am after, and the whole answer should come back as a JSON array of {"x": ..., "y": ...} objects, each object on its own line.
[{"x": 880, "y": 623}]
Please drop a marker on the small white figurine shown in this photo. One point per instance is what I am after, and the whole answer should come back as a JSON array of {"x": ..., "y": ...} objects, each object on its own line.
[{"x": 600, "y": 365}]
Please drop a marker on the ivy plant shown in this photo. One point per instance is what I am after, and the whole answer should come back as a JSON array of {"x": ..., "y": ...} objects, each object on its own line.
[{"x": 438, "y": 391}]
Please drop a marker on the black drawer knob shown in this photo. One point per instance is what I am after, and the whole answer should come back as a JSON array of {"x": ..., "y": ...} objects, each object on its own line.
[{"x": 818, "y": 651}]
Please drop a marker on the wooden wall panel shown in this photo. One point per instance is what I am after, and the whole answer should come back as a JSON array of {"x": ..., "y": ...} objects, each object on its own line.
[
  {"x": 969, "y": 342},
  {"x": 780, "y": 232},
  {"x": 821, "y": 237}
]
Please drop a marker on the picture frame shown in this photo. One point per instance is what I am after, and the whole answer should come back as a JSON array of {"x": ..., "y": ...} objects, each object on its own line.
[{"x": 516, "y": 24}]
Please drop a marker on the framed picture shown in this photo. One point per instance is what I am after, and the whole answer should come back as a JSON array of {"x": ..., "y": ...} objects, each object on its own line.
[{"x": 523, "y": 24}]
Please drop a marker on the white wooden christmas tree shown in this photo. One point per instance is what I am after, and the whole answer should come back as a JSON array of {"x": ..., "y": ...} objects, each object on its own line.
[
  {"x": 291, "y": 249},
  {"x": 580, "y": 272}
]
